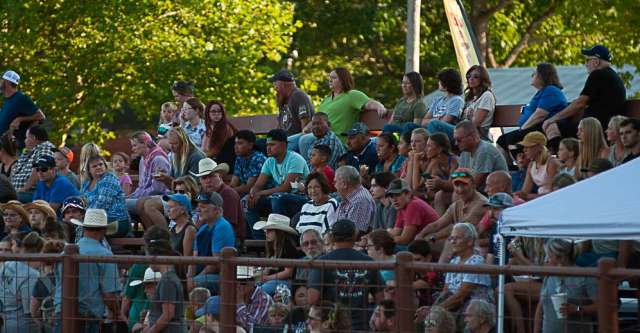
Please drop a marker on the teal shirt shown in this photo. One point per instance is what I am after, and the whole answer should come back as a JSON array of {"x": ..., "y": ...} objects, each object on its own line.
[{"x": 292, "y": 163}]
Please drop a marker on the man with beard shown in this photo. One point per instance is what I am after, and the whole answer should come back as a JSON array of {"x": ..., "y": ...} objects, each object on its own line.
[{"x": 294, "y": 105}]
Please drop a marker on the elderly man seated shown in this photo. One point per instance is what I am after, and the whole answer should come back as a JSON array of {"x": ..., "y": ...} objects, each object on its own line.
[{"x": 460, "y": 288}]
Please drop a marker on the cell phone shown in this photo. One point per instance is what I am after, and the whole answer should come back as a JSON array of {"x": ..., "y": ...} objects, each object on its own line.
[{"x": 426, "y": 175}]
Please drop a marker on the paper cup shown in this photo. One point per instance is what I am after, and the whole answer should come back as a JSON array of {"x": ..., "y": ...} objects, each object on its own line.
[
  {"x": 558, "y": 300},
  {"x": 295, "y": 185}
]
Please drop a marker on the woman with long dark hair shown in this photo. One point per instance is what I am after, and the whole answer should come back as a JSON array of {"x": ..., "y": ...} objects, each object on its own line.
[
  {"x": 480, "y": 104},
  {"x": 218, "y": 129},
  {"x": 410, "y": 109}
]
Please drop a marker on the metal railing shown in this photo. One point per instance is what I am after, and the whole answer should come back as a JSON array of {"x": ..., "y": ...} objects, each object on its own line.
[{"x": 606, "y": 274}]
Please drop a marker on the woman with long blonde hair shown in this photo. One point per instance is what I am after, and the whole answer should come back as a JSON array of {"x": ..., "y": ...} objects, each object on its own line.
[
  {"x": 87, "y": 152},
  {"x": 541, "y": 170},
  {"x": 593, "y": 145},
  {"x": 617, "y": 151}
]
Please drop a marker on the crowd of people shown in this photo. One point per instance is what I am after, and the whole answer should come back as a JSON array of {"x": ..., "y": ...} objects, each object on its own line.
[{"x": 322, "y": 186}]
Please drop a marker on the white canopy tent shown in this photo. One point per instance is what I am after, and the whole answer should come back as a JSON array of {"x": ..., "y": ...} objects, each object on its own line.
[{"x": 605, "y": 206}]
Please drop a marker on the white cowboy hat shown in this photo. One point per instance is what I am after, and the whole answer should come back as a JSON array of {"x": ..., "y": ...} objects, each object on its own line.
[
  {"x": 275, "y": 221},
  {"x": 93, "y": 218},
  {"x": 149, "y": 276},
  {"x": 207, "y": 166}
]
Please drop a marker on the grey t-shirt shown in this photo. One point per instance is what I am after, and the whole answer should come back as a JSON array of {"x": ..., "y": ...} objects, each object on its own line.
[
  {"x": 297, "y": 107},
  {"x": 580, "y": 291},
  {"x": 485, "y": 159},
  {"x": 486, "y": 101},
  {"x": 169, "y": 290},
  {"x": 384, "y": 217}
]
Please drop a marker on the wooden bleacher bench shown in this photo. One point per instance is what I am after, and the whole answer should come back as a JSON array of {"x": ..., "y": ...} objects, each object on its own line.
[{"x": 505, "y": 116}]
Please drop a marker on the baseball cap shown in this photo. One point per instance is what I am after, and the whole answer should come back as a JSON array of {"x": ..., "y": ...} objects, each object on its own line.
[
  {"x": 212, "y": 307},
  {"x": 343, "y": 228},
  {"x": 357, "y": 128},
  {"x": 46, "y": 161},
  {"x": 281, "y": 75},
  {"x": 397, "y": 186},
  {"x": 211, "y": 198},
  {"x": 598, "y": 165},
  {"x": 533, "y": 138},
  {"x": 75, "y": 202},
  {"x": 181, "y": 199},
  {"x": 598, "y": 51},
  {"x": 462, "y": 175},
  {"x": 500, "y": 200},
  {"x": 11, "y": 76},
  {"x": 67, "y": 153},
  {"x": 277, "y": 135}
]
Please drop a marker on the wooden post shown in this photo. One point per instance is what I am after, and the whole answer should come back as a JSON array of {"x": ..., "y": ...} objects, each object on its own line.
[
  {"x": 607, "y": 297},
  {"x": 412, "y": 45},
  {"x": 228, "y": 291},
  {"x": 69, "y": 301},
  {"x": 405, "y": 308}
]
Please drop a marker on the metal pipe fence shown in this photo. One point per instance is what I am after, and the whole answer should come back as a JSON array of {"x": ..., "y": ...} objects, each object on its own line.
[{"x": 404, "y": 269}]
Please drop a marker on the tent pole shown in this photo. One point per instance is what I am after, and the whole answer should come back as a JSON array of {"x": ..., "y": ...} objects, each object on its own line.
[{"x": 501, "y": 281}]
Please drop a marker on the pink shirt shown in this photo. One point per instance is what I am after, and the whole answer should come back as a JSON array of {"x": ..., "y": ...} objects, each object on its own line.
[{"x": 416, "y": 212}]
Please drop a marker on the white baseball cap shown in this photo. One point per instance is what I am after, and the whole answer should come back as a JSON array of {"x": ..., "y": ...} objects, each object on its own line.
[{"x": 11, "y": 76}]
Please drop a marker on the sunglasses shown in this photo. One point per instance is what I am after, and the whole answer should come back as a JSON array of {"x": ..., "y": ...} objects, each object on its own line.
[
  {"x": 180, "y": 191},
  {"x": 42, "y": 169},
  {"x": 473, "y": 76},
  {"x": 460, "y": 174},
  {"x": 309, "y": 243}
]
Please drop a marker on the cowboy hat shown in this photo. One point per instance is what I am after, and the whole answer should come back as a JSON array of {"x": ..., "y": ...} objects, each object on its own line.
[
  {"x": 93, "y": 218},
  {"x": 149, "y": 276},
  {"x": 277, "y": 222},
  {"x": 16, "y": 206},
  {"x": 207, "y": 166},
  {"x": 42, "y": 206}
]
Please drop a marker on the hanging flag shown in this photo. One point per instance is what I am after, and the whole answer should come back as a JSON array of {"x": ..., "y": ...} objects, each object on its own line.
[{"x": 464, "y": 39}]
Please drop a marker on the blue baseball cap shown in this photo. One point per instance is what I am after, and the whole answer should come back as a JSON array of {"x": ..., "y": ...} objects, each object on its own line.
[
  {"x": 212, "y": 307},
  {"x": 500, "y": 200},
  {"x": 180, "y": 198}
]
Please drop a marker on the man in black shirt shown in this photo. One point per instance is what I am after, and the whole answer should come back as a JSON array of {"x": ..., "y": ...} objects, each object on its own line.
[
  {"x": 350, "y": 287},
  {"x": 630, "y": 136},
  {"x": 602, "y": 97}
]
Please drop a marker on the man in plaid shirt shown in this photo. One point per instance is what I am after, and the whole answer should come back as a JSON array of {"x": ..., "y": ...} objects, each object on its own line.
[
  {"x": 23, "y": 177},
  {"x": 322, "y": 135}
]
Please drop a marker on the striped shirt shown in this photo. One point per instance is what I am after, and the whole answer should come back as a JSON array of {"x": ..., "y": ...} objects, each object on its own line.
[
  {"x": 358, "y": 207},
  {"x": 256, "y": 312},
  {"x": 317, "y": 217}
]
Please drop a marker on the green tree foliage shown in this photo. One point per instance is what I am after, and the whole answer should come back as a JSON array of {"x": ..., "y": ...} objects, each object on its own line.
[
  {"x": 81, "y": 60},
  {"x": 368, "y": 37}
]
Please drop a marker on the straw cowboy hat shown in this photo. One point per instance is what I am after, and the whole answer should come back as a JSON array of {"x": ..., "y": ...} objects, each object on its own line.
[
  {"x": 16, "y": 206},
  {"x": 93, "y": 218},
  {"x": 207, "y": 166},
  {"x": 149, "y": 276},
  {"x": 42, "y": 206},
  {"x": 275, "y": 222}
]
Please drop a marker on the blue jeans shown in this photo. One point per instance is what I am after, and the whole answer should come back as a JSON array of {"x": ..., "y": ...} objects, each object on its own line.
[
  {"x": 287, "y": 204},
  {"x": 443, "y": 127},
  {"x": 306, "y": 143},
  {"x": 395, "y": 128},
  {"x": 270, "y": 286},
  {"x": 292, "y": 142},
  {"x": 25, "y": 197},
  {"x": 209, "y": 281}
]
